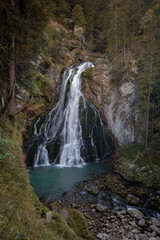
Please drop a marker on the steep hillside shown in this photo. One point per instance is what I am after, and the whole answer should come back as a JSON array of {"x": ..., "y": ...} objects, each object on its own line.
[{"x": 22, "y": 216}]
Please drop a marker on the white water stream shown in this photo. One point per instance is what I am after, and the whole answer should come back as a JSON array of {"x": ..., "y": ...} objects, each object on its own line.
[{"x": 66, "y": 126}]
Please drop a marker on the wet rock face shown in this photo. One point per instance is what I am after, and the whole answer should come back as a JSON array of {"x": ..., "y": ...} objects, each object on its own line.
[
  {"x": 117, "y": 104},
  {"x": 120, "y": 112}
]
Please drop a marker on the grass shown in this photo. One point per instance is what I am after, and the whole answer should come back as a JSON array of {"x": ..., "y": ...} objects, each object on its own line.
[{"x": 130, "y": 151}]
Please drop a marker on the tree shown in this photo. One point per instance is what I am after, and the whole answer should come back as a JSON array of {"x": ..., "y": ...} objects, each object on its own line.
[
  {"x": 21, "y": 34},
  {"x": 78, "y": 16},
  {"x": 147, "y": 73}
]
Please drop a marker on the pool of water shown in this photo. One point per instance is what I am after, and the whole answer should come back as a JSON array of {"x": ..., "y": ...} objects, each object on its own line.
[{"x": 51, "y": 182}]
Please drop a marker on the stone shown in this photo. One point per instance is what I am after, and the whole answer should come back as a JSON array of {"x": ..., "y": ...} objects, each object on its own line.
[
  {"x": 143, "y": 237},
  {"x": 127, "y": 89},
  {"x": 102, "y": 236},
  {"x": 123, "y": 212},
  {"x": 124, "y": 238},
  {"x": 118, "y": 214},
  {"x": 132, "y": 200},
  {"x": 155, "y": 221},
  {"x": 155, "y": 228},
  {"x": 48, "y": 217},
  {"x": 142, "y": 223},
  {"x": 93, "y": 190},
  {"x": 130, "y": 235},
  {"x": 135, "y": 213},
  {"x": 133, "y": 224},
  {"x": 154, "y": 238},
  {"x": 101, "y": 208},
  {"x": 152, "y": 234},
  {"x": 134, "y": 231}
]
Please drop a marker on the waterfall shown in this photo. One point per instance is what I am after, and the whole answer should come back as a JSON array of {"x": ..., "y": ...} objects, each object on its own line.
[{"x": 72, "y": 133}]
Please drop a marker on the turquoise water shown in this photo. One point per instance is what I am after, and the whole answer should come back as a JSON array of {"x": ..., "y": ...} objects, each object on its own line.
[{"x": 51, "y": 182}]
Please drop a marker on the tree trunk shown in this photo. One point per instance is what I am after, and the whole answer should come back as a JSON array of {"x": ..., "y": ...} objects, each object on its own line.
[
  {"x": 148, "y": 109},
  {"x": 11, "y": 107},
  {"x": 153, "y": 109},
  {"x": 116, "y": 25},
  {"x": 147, "y": 126}
]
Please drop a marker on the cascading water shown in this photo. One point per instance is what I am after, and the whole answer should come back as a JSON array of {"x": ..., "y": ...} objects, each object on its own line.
[{"x": 72, "y": 133}]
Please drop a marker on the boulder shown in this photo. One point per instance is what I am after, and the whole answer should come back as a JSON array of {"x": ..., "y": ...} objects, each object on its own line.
[
  {"x": 142, "y": 222},
  {"x": 135, "y": 213},
  {"x": 155, "y": 221},
  {"x": 93, "y": 190},
  {"x": 101, "y": 208},
  {"x": 155, "y": 228},
  {"x": 143, "y": 237},
  {"x": 132, "y": 200},
  {"x": 48, "y": 217}
]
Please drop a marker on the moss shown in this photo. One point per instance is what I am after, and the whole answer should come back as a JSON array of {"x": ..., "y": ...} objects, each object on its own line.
[
  {"x": 62, "y": 229},
  {"x": 150, "y": 177},
  {"x": 20, "y": 209},
  {"x": 17, "y": 209},
  {"x": 138, "y": 165},
  {"x": 78, "y": 223},
  {"x": 93, "y": 190},
  {"x": 56, "y": 207},
  {"x": 115, "y": 184},
  {"x": 41, "y": 210},
  {"x": 87, "y": 73}
]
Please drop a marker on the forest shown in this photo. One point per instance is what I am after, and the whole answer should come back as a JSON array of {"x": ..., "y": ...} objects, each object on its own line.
[{"x": 121, "y": 29}]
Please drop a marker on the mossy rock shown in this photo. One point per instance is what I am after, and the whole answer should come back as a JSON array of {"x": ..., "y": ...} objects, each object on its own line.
[
  {"x": 93, "y": 190},
  {"x": 132, "y": 200},
  {"x": 62, "y": 229},
  {"x": 155, "y": 202},
  {"x": 56, "y": 207},
  {"x": 78, "y": 223},
  {"x": 133, "y": 173},
  {"x": 114, "y": 184}
]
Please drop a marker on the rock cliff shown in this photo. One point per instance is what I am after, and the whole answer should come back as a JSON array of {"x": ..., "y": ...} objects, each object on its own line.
[{"x": 117, "y": 104}]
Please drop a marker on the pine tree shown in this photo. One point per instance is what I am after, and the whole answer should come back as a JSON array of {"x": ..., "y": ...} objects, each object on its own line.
[
  {"x": 78, "y": 16},
  {"x": 147, "y": 73},
  {"x": 22, "y": 31}
]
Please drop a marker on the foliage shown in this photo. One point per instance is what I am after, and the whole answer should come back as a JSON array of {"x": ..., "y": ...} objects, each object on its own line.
[
  {"x": 5, "y": 143},
  {"x": 22, "y": 41},
  {"x": 78, "y": 16}
]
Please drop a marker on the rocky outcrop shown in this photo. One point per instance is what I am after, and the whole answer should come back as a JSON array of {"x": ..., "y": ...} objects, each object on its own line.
[{"x": 117, "y": 104}]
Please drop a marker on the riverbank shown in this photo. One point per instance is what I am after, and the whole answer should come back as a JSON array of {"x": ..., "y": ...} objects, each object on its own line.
[
  {"x": 115, "y": 208},
  {"x": 108, "y": 215}
]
